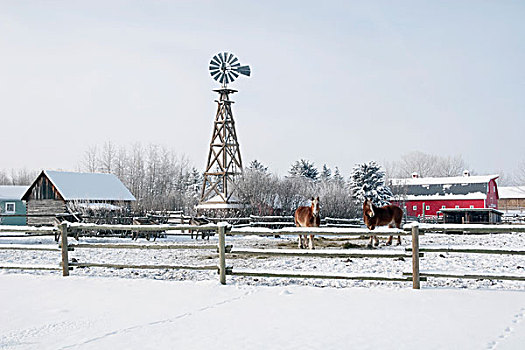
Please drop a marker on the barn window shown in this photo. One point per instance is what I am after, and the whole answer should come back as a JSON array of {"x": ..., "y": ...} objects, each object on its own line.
[
  {"x": 457, "y": 206},
  {"x": 414, "y": 207},
  {"x": 471, "y": 207},
  {"x": 10, "y": 207},
  {"x": 427, "y": 207},
  {"x": 443, "y": 207}
]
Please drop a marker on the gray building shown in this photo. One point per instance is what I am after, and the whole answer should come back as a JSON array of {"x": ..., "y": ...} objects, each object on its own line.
[{"x": 56, "y": 192}]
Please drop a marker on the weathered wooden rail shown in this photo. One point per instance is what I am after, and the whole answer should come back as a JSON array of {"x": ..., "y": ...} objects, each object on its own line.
[
  {"x": 224, "y": 231},
  {"x": 324, "y": 231},
  {"x": 28, "y": 231},
  {"x": 467, "y": 229}
]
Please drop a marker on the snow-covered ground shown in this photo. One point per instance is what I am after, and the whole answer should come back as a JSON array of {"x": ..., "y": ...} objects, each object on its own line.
[
  {"x": 86, "y": 312},
  {"x": 100, "y": 308}
]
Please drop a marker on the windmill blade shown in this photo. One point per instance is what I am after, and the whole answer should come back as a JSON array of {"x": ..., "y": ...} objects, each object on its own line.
[
  {"x": 221, "y": 79},
  {"x": 215, "y": 60},
  {"x": 234, "y": 73},
  {"x": 221, "y": 59},
  {"x": 213, "y": 68},
  {"x": 244, "y": 70},
  {"x": 226, "y": 78},
  {"x": 225, "y": 55},
  {"x": 230, "y": 58},
  {"x": 213, "y": 73},
  {"x": 234, "y": 60},
  {"x": 217, "y": 75},
  {"x": 230, "y": 75}
]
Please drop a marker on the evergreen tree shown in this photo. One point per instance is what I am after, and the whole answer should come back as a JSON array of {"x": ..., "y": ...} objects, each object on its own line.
[
  {"x": 326, "y": 173},
  {"x": 368, "y": 181},
  {"x": 257, "y": 166},
  {"x": 304, "y": 168},
  {"x": 338, "y": 178}
]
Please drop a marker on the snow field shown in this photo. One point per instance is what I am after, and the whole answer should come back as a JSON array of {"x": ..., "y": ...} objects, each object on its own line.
[
  {"x": 52, "y": 312},
  {"x": 450, "y": 262}
]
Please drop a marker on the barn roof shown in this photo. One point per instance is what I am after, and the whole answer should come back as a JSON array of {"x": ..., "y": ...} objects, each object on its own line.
[
  {"x": 12, "y": 192},
  {"x": 88, "y": 186},
  {"x": 447, "y": 188},
  {"x": 484, "y": 179},
  {"x": 511, "y": 192}
]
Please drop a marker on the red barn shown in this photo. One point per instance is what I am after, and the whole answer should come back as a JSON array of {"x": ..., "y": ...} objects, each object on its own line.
[{"x": 426, "y": 196}]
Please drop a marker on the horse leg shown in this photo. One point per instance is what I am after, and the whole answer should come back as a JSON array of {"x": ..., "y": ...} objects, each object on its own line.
[
  {"x": 300, "y": 243},
  {"x": 370, "y": 242},
  {"x": 376, "y": 241},
  {"x": 311, "y": 242},
  {"x": 304, "y": 243},
  {"x": 398, "y": 240},
  {"x": 389, "y": 241}
]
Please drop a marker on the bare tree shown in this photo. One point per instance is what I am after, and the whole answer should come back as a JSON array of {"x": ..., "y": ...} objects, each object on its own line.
[
  {"x": 4, "y": 179},
  {"x": 450, "y": 166},
  {"x": 425, "y": 165},
  {"x": 90, "y": 160},
  {"x": 519, "y": 175},
  {"x": 23, "y": 177},
  {"x": 107, "y": 157}
]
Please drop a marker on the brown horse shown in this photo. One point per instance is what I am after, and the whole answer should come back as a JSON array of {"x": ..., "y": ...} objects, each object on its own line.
[
  {"x": 373, "y": 216},
  {"x": 308, "y": 217}
]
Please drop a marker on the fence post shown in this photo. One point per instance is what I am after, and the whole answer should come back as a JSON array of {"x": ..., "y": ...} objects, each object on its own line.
[
  {"x": 415, "y": 256},
  {"x": 65, "y": 259},
  {"x": 221, "y": 229}
]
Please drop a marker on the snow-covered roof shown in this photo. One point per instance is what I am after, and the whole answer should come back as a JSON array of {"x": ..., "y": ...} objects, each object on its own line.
[
  {"x": 511, "y": 192},
  {"x": 444, "y": 180},
  {"x": 439, "y": 188},
  {"x": 12, "y": 192},
  {"x": 98, "y": 206},
  {"x": 218, "y": 202},
  {"x": 89, "y": 186}
]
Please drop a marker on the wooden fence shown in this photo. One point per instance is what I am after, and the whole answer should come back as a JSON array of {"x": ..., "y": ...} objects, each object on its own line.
[{"x": 224, "y": 231}]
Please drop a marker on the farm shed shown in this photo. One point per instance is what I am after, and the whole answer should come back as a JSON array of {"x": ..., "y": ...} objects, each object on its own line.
[
  {"x": 471, "y": 216},
  {"x": 512, "y": 198},
  {"x": 12, "y": 208},
  {"x": 57, "y": 192},
  {"x": 426, "y": 196}
]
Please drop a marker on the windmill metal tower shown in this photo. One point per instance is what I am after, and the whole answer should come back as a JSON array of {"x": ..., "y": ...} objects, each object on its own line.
[{"x": 224, "y": 157}]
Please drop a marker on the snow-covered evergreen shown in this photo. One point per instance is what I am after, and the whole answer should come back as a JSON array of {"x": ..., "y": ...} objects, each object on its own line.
[
  {"x": 368, "y": 181},
  {"x": 304, "y": 168},
  {"x": 326, "y": 174}
]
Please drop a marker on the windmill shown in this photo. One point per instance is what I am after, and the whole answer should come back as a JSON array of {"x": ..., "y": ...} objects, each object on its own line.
[{"x": 224, "y": 157}]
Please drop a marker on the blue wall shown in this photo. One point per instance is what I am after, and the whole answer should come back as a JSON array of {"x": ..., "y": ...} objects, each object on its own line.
[{"x": 20, "y": 209}]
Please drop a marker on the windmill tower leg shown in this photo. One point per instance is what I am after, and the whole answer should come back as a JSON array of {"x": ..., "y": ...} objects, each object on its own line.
[{"x": 224, "y": 159}]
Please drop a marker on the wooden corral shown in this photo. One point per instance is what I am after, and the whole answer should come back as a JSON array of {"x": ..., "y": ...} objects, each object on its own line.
[{"x": 224, "y": 250}]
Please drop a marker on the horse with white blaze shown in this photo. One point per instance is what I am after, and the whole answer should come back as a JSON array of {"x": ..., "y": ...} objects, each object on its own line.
[
  {"x": 373, "y": 216},
  {"x": 308, "y": 216}
]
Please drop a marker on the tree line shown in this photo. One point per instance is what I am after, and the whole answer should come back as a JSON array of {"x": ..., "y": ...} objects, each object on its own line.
[{"x": 161, "y": 179}]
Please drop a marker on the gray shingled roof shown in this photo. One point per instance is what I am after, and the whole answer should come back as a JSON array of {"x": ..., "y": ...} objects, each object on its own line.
[
  {"x": 89, "y": 186},
  {"x": 468, "y": 187}
]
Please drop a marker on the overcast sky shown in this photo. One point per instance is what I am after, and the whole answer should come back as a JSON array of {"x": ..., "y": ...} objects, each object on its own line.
[{"x": 335, "y": 82}]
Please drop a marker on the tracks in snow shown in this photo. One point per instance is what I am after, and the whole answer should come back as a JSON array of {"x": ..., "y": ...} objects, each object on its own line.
[{"x": 518, "y": 318}]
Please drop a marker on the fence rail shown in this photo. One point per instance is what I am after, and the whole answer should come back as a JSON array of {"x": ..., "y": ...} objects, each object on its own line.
[{"x": 224, "y": 230}]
